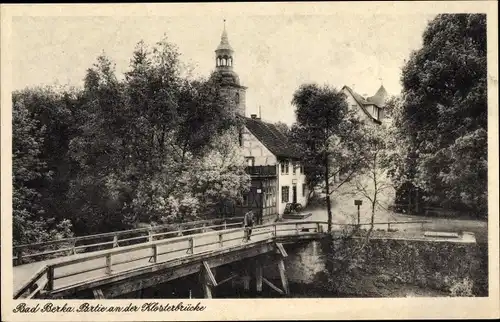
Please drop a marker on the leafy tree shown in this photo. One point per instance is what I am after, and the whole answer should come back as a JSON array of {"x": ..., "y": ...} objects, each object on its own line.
[
  {"x": 53, "y": 109},
  {"x": 283, "y": 127},
  {"x": 373, "y": 182},
  {"x": 143, "y": 141},
  {"x": 31, "y": 222},
  {"x": 330, "y": 136},
  {"x": 97, "y": 149},
  {"x": 156, "y": 146},
  {"x": 444, "y": 112}
]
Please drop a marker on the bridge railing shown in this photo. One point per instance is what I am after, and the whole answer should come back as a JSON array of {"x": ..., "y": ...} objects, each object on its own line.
[
  {"x": 389, "y": 224},
  {"x": 82, "y": 244},
  {"x": 101, "y": 264}
]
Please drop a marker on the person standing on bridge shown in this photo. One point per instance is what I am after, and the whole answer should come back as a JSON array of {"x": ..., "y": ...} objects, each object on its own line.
[{"x": 248, "y": 222}]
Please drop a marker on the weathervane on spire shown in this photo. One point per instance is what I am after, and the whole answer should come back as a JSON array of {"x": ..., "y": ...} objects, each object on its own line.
[{"x": 381, "y": 81}]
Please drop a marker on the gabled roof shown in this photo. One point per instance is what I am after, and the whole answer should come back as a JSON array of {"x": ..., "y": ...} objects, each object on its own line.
[
  {"x": 272, "y": 138},
  {"x": 362, "y": 102},
  {"x": 379, "y": 97}
]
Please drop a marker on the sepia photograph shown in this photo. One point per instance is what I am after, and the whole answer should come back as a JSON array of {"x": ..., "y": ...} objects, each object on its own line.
[{"x": 172, "y": 159}]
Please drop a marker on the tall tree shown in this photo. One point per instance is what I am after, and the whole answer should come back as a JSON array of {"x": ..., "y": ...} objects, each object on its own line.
[
  {"x": 444, "y": 112},
  {"x": 31, "y": 221},
  {"x": 97, "y": 147},
  {"x": 373, "y": 183},
  {"x": 330, "y": 136}
]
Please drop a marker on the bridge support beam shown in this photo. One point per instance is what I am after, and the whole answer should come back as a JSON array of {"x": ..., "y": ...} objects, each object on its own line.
[
  {"x": 207, "y": 280},
  {"x": 271, "y": 285},
  {"x": 246, "y": 282},
  {"x": 258, "y": 276},
  {"x": 98, "y": 295},
  {"x": 284, "y": 280}
]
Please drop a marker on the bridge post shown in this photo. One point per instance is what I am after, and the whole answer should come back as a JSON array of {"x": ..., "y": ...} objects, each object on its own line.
[
  {"x": 258, "y": 275},
  {"x": 191, "y": 246},
  {"x": 115, "y": 241},
  {"x": 20, "y": 256},
  {"x": 246, "y": 281},
  {"x": 50, "y": 278},
  {"x": 155, "y": 253},
  {"x": 73, "y": 245},
  {"x": 221, "y": 243},
  {"x": 108, "y": 264}
]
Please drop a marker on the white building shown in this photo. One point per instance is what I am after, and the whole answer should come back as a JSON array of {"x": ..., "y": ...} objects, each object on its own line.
[
  {"x": 265, "y": 145},
  {"x": 370, "y": 108}
]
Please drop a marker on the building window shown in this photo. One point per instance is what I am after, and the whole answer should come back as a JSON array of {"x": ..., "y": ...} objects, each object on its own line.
[
  {"x": 237, "y": 98},
  {"x": 285, "y": 194},
  {"x": 294, "y": 168},
  {"x": 303, "y": 190},
  {"x": 301, "y": 169},
  {"x": 250, "y": 161},
  {"x": 245, "y": 200},
  {"x": 284, "y": 167}
]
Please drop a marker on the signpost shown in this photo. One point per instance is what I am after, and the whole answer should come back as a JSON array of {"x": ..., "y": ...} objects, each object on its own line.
[{"x": 358, "y": 203}]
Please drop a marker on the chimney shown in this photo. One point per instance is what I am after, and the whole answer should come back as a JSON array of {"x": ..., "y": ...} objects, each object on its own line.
[{"x": 253, "y": 116}]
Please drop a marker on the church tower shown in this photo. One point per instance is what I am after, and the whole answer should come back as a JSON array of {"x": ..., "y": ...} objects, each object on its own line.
[{"x": 230, "y": 80}]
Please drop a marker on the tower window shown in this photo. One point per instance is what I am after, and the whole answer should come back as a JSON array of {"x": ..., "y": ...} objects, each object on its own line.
[{"x": 237, "y": 98}]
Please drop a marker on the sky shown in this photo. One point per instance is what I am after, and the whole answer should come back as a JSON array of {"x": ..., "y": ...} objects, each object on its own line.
[{"x": 274, "y": 54}]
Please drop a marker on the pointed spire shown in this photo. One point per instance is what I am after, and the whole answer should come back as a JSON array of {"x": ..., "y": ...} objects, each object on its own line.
[
  {"x": 224, "y": 41},
  {"x": 224, "y": 32}
]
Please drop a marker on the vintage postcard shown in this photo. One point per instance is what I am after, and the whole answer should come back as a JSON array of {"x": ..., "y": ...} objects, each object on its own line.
[{"x": 249, "y": 161}]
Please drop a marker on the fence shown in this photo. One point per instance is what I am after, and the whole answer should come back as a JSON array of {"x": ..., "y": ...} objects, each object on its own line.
[
  {"x": 69, "y": 246},
  {"x": 102, "y": 263}
]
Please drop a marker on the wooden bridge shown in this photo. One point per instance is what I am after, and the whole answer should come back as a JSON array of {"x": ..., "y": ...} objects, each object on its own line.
[{"x": 158, "y": 257}]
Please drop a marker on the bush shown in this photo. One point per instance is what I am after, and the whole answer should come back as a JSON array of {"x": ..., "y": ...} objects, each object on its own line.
[{"x": 462, "y": 288}]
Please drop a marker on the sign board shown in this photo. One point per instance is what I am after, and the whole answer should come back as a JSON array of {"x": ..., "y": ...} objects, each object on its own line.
[
  {"x": 358, "y": 202},
  {"x": 259, "y": 190}
]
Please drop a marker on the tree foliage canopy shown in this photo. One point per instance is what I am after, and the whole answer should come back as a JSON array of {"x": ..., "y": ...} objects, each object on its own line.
[
  {"x": 116, "y": 152},
  {"x": 443, "y": 114},
  {"x": 330, "y": 135}
]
